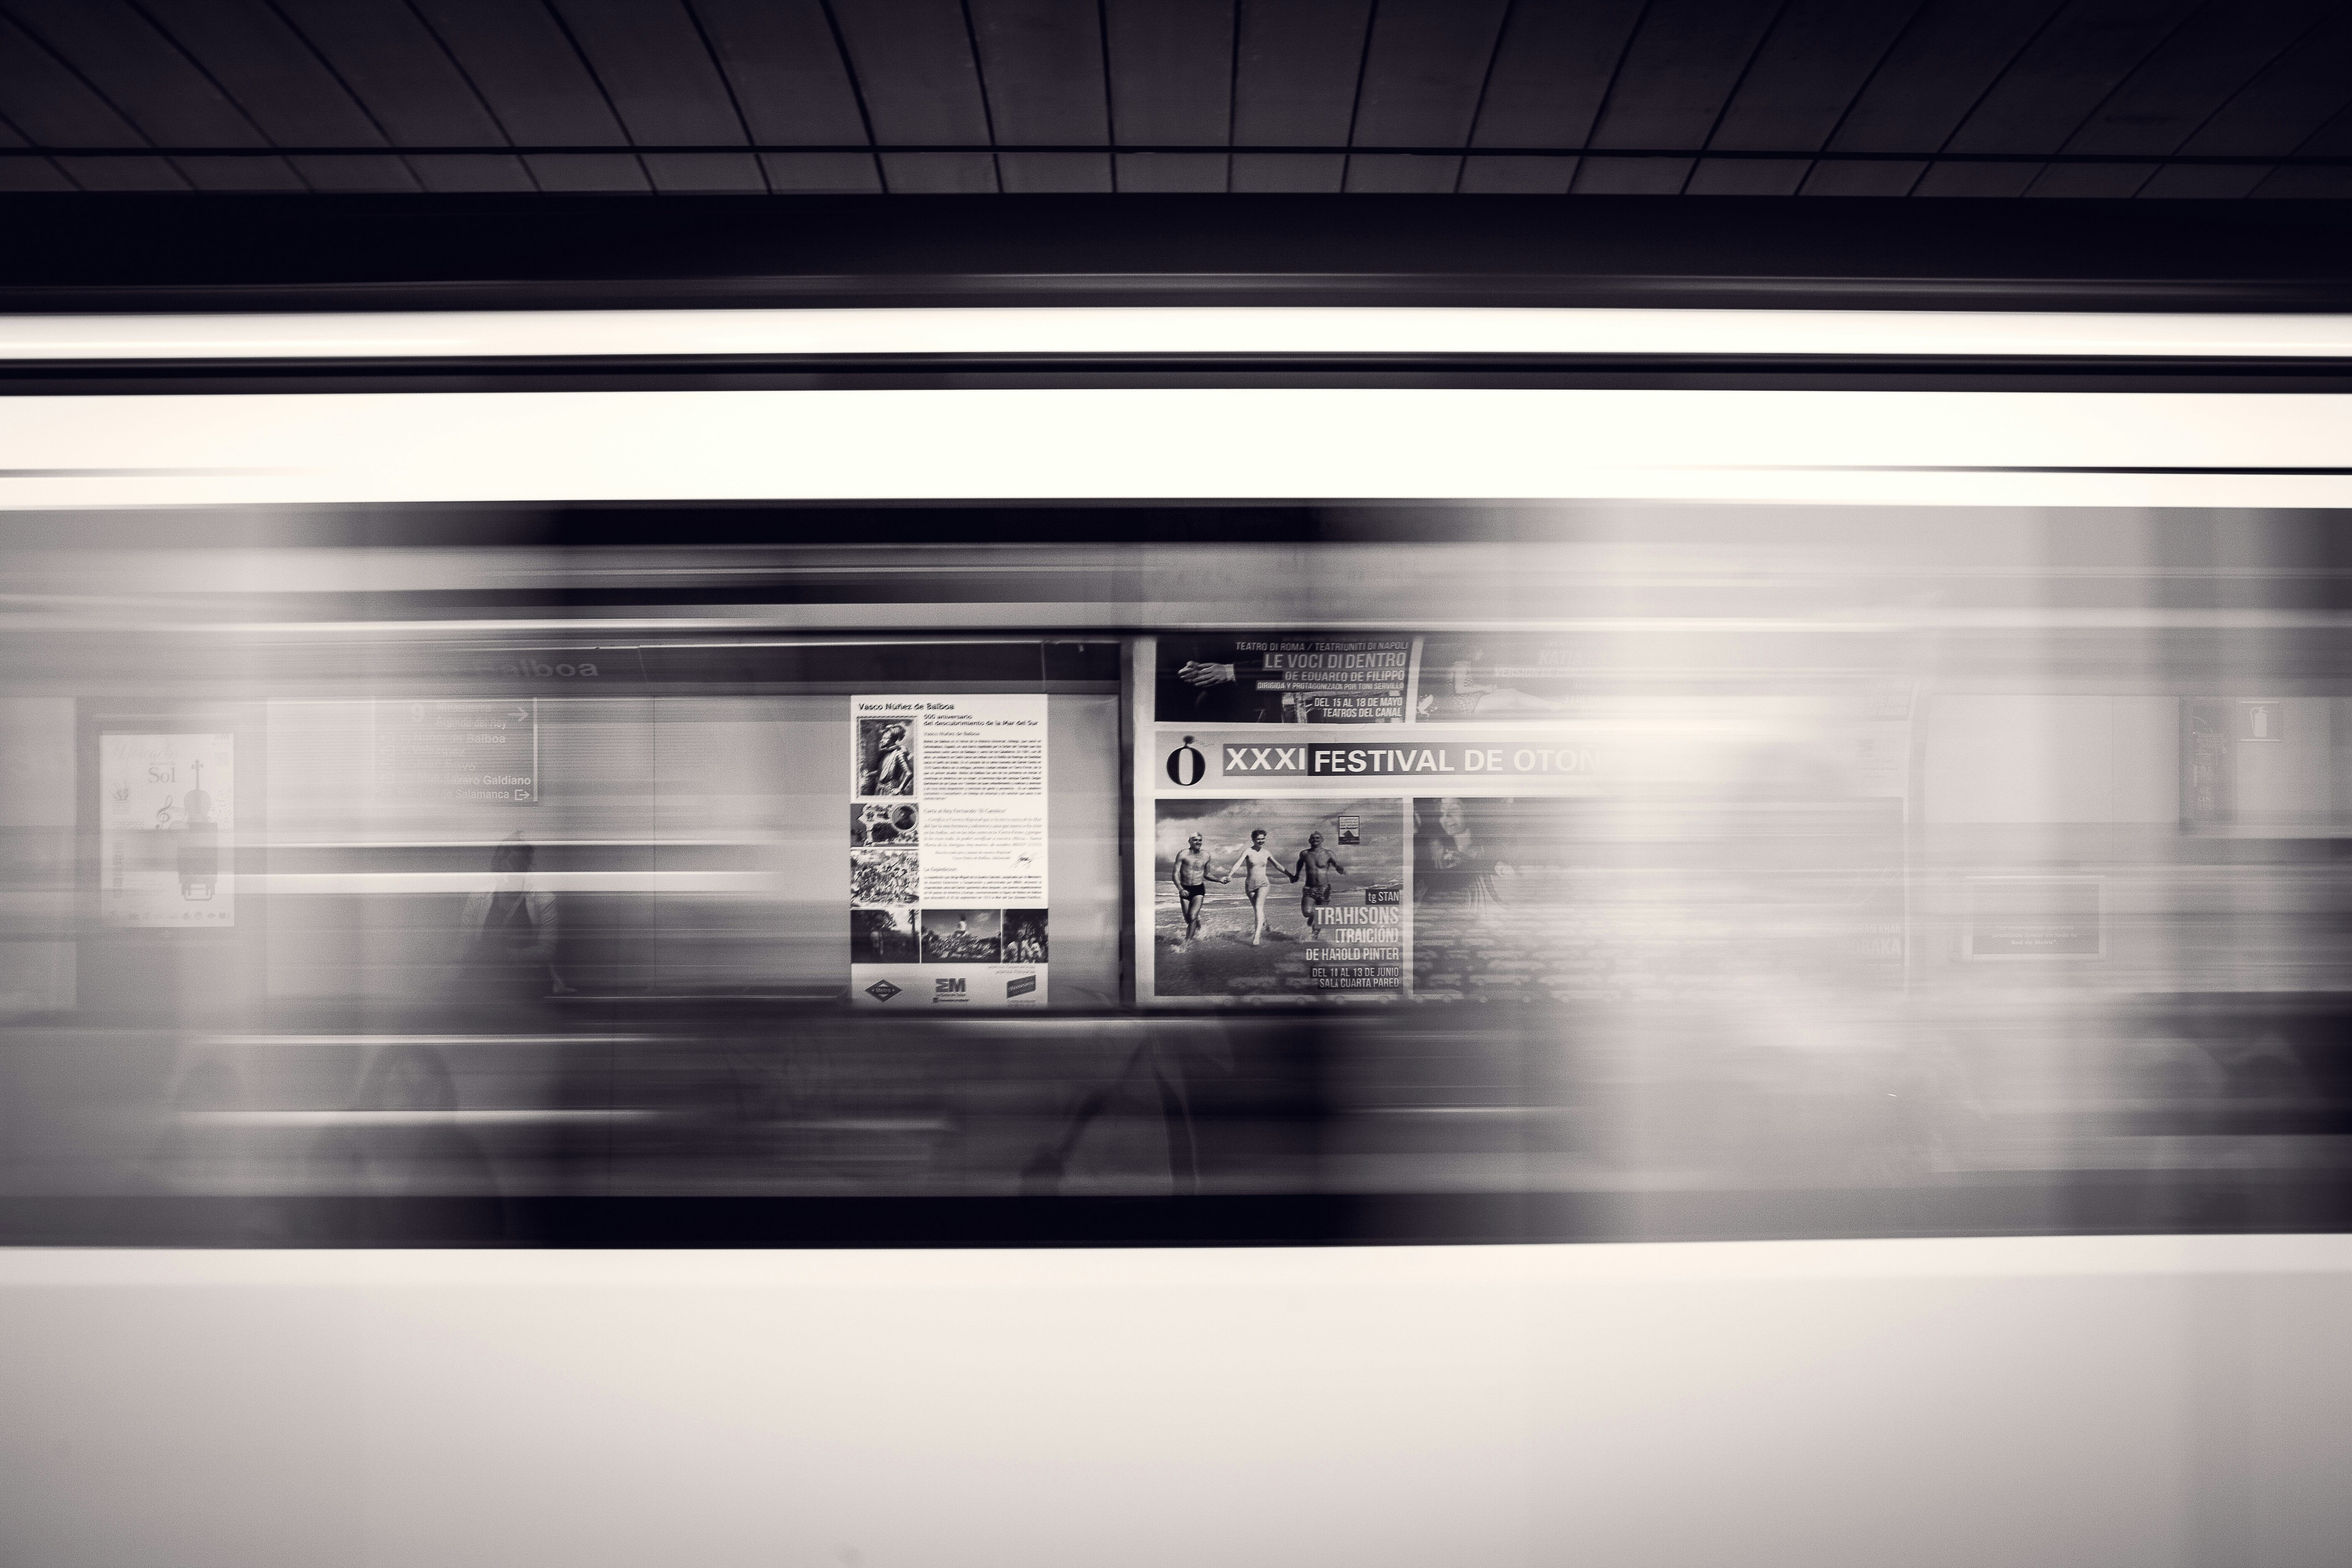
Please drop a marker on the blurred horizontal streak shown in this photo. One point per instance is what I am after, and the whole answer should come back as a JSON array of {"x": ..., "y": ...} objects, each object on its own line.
[
  {"x": 1312, "y": 445},
  {"x": 1173, "y": 331},
  {"x": 507, "y": 1118},
  {"x": 393, "y": 882},
  {"x": 364, "y": 1041}
]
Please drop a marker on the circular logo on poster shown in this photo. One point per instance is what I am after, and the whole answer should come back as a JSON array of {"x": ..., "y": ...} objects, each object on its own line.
[{"x": 1186, "y": 764}]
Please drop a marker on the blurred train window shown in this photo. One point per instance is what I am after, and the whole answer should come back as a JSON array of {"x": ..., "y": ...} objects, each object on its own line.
[{"x": 1626, "y": 868}]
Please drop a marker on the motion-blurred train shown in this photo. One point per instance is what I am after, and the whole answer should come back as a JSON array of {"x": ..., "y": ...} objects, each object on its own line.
[{"x": 1883, "y": 1050}]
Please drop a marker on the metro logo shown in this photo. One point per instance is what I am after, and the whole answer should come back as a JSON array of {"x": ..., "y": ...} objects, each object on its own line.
[{"x": 1266, "y": 759}]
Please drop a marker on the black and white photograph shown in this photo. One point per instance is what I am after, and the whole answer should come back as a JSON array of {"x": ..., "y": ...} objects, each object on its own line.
[
  {"x": 1600, "y": 763},
  {"x": 885, "y": 877},
  {"x": 1024, "y": 936},
  {"x": 885, "y": 757},
  {"x": 963, "y": 936},
  {"x": 884, "y": 936},
  {"x": 1239, "y": 883},
  {"x": 884, "y": 824}
]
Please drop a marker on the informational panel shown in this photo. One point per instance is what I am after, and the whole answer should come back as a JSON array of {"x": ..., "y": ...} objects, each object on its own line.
[
  {"x": 474, "y": 750},
  {"x": 947, "y": 852},
  {"x": 2035, "y": 918},
  {"x": 1518, "y": 825},
  {"x": 167, "y": 830}
]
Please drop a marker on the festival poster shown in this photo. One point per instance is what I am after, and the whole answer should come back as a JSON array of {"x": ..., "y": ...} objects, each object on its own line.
[
  {"x": 167, "y": 831},
  {"x": 1281, "y": 679},
  {"x": 946, "y": 815},
  {"x": 1568, "y": 840}
]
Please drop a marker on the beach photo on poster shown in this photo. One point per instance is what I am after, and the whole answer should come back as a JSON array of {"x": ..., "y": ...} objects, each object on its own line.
[{"x": 1257, "y": 897}]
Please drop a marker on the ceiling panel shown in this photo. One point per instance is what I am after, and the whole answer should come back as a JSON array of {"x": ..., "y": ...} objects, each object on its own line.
[
  {"x": 1685, "y": 61},
  {"x": 915, "y": 65},
  {"x": 46, "y": 104},
  {"x": 1171, "y": 84},
  {"x": 1805, "y": 75},
  {"x": 520, "y": 60},
  {"x": 2288, "y": 103},
  {"x": 2180, "y": 85},
  {"x": 2055, "y": 84},
  {"x": 1989, "y": 97},
  {"x": 1042, "y": 66},
  {"x": 1297, "y": 66},
  {"x": 399, "y": 72},
  {"x": 784, "y": 66},
  {"x": 650, "y": 59},
  {"x": 283, "y": 86},
  {"x": 1552, "y": 71},
  {"x": 29, "y": 173},
  {"x": 1424, "y": 72},
  {"x": 152, "y": 84},
  {"x": 1951, "y": 54}
]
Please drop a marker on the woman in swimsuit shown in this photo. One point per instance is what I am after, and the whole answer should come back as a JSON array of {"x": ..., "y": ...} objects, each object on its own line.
[{"x": 1261, "y": 868}]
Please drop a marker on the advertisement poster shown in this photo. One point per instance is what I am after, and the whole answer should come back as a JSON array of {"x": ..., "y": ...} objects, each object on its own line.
[
  {"x": 1276, "y": 680},
  {"x": 167, "y": 830},
  {"x": 1520, "y": 829},
  {"x": 947, "y": 852}
]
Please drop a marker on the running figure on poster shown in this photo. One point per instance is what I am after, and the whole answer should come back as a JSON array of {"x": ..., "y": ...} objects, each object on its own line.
[
  {"x": 1318, "y": 866},
  {"x": 1193, "y": 875},
  {"x": 1257, "y": 868}
]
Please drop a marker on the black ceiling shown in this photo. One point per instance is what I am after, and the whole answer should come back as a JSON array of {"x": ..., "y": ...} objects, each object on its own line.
[{"x": 1870, "y": 97}]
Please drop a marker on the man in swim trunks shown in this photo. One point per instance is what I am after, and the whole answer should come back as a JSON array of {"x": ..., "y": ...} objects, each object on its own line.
[
  {"x": 1258, "y": 865},
  {"x": 1193, "y": 876},
  {"x": 1318, "y": 866}
]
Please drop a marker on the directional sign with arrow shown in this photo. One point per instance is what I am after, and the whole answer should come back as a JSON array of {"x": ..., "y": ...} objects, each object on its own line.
[{"x": 458, "y": 750}]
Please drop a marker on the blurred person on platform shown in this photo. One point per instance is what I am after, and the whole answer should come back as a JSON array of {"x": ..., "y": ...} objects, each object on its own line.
[
  {"x": 507, "y": 935},
  {"x": 419, "y": 1175}
]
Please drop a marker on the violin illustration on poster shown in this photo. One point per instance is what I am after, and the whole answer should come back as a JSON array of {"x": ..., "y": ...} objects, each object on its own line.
[{"x": 166, "y": 830}]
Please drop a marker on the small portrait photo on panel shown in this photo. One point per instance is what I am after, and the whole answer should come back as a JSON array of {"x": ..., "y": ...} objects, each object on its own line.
[{"x": 887, "y": 757}]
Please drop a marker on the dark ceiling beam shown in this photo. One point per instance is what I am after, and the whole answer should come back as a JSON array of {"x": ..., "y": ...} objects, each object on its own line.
[
  {"x": 183, "y": 252},
  {"x": 862, "y": 149}
]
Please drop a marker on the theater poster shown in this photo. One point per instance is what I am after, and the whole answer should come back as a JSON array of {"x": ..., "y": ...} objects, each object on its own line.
[
  {"x": 1367, "y": 819},
  {"x": 167, "y": 831},
  {"x": 947, "y": 852}
]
